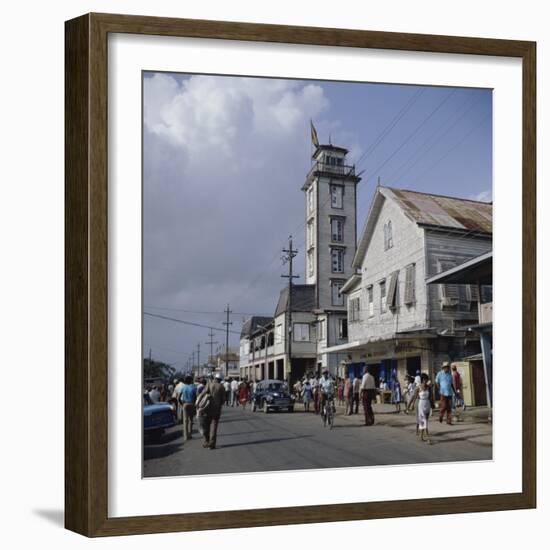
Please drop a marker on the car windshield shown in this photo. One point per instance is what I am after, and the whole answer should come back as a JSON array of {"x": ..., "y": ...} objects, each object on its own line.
[{"x": 275, "y": 387}]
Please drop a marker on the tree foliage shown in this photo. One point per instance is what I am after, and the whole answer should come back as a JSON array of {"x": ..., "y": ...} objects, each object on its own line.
[{"x": 157, "y": 369}]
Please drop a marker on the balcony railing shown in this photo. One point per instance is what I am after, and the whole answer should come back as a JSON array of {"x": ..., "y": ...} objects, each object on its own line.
[{"x": 341, "y": 170}]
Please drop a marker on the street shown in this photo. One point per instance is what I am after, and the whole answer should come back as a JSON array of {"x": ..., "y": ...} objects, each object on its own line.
[{"x": 256, "y": 442}]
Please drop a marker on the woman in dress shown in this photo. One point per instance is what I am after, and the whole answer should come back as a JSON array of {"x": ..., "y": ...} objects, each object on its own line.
[
  {"x": 396, "y": 393},
  {"x": 307, "y": 395},
  {"x": 422, "y": 394},
  {"x": 243, "y": 394},
  {"x": 340, "y": 391}
]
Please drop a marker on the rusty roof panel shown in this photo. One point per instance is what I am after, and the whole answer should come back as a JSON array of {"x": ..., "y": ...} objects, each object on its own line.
[{"x": 442, "y": 211}]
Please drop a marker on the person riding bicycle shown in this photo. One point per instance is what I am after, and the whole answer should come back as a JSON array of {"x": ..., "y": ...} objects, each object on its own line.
[{"x": 326, "y": 387}]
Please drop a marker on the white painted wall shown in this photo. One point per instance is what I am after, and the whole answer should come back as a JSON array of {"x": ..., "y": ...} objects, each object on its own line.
[{"x": 378, "y": 264}]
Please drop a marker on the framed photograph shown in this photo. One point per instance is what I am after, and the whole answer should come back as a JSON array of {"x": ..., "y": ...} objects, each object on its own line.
[{"x": 299, "y": 275}]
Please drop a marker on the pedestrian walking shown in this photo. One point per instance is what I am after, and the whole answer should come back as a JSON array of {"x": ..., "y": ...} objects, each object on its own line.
[
  {"x": 316, "y": 395},
  {"x": 209, "y": 406},
  {"x": 457, "y": 394},
  {"x": 188, "y": 396},
  {"x": 396, "y": 393},
  {"x": 227, "y": 388},
  {"x": 297, "y": 390},
  {"x": 408, "y": 393},
  {"x": 244, "y": 393},
  {"x": 178, "y": 385},
  {"x": 368, "y": 393},
  {"x": 348, "y": 394},
  {"x": 356, "y": 394},
  {"x": 444, "y": 383},
  {"x": 234, "y": 392},
  {"x": 422, "y": 396},
  {"x": 340, "y": 391},
  {"x": 307, "y": 395}
]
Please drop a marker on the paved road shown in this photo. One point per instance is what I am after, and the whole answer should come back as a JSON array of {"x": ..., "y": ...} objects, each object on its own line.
[{"x": 254, "y": 442}]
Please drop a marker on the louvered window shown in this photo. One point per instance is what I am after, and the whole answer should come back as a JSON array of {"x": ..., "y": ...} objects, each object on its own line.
[
  {"x": 410, "y": 284},
  {"x": 449, "y": 293}
]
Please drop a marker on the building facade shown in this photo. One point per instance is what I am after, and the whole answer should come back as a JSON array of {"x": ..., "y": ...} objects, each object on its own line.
[{"x": 396, "y": 322}]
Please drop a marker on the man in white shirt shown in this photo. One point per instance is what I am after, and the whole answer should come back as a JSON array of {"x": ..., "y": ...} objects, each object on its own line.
[
  {"x": 154, "y": 394},
  {"x": 368, "y": 393},
  {"x": 227, "y": 388},
  {"x": 234, "y": 390}
]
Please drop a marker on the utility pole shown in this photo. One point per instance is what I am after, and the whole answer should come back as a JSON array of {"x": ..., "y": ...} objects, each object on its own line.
[
  {"x": 199, "y": 357},
  {"x": 227, "y": 325},
  {"x": 150, "y": 356},
  {"x": 193, "y": 362},
  {"x": 211, "y": 342},
  {"x": 288, "y": 256}
]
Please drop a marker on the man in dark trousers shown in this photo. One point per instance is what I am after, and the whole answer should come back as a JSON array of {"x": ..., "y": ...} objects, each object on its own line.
[{"x": 213, "y": 411}]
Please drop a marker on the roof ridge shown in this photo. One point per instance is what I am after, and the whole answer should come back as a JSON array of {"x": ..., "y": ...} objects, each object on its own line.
[{"x": 434, "y": 194}]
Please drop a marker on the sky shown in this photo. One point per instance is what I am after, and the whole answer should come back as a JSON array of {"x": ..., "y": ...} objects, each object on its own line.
[{"x": 224, "y": 159}]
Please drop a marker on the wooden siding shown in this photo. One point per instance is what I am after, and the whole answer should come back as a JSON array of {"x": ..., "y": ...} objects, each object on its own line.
[{"x": 449, "y": 247}]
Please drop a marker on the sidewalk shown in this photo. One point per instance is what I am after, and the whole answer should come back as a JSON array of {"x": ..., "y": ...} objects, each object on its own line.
[{"x": 472, "y": 425}]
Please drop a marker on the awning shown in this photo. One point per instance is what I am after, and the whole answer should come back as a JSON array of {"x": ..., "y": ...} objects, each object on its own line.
[{"x": 478, "y": 270}]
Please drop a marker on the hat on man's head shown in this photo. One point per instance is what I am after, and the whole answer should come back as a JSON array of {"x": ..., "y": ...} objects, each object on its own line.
[{"x": 446, "y": 364}]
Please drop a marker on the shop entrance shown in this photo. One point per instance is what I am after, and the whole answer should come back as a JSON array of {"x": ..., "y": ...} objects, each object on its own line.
[{"x": 413, "y": 365}]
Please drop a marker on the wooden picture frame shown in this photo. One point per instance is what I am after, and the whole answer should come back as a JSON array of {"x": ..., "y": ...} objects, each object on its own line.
[{"x": 86, "y": 359}]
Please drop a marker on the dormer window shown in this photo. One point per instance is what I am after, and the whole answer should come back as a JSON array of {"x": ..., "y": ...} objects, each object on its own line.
[{"x": 388, "y": 236}]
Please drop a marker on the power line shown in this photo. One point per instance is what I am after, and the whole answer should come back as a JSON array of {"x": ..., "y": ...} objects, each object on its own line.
[
  {"x": 410, "y": 136},
  {"x": 452, "y": 148},
  {"x": 434, "y": 139},
  {"x": 166, "y": 318},
  {"x": 391, "y": 125}
]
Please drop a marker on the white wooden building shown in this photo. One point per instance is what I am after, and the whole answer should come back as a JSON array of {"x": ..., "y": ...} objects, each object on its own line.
[{"x": 396, "y": 322}]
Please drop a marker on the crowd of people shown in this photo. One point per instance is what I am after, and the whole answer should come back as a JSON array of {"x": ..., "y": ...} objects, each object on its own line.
[
  {"x": 416, "y": 395},
  {"x": 204, "y": 398}
]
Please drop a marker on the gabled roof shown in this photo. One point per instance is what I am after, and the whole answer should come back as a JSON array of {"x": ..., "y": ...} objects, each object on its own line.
[
  {"x": 428, "y": 210},
  {"x": 253, "y": 323},
  {"x": 303, "y": 299}
]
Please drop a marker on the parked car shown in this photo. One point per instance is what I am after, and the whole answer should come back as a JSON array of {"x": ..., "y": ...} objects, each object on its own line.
[
  {"x": 157, "y": 417},
  {"x": 272, "y": 395}
]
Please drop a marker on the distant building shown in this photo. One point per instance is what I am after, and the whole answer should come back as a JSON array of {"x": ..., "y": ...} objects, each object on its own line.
[{"x": 396, "y": 322}]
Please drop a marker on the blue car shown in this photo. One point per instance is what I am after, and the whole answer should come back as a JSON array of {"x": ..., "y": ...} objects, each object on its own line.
[{"x": 157, "y": 417}]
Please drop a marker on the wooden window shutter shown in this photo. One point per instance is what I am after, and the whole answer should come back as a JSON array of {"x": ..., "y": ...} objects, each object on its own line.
[
  {"x": 410, "y": 283},
  {"x": 391, "y": 299}
]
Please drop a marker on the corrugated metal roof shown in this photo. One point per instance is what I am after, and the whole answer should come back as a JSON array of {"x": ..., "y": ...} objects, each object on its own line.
[{"x": 442, "y": 211}]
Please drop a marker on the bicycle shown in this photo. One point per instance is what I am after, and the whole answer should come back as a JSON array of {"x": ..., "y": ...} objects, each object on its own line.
[{"x": 328, "y": 412}]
